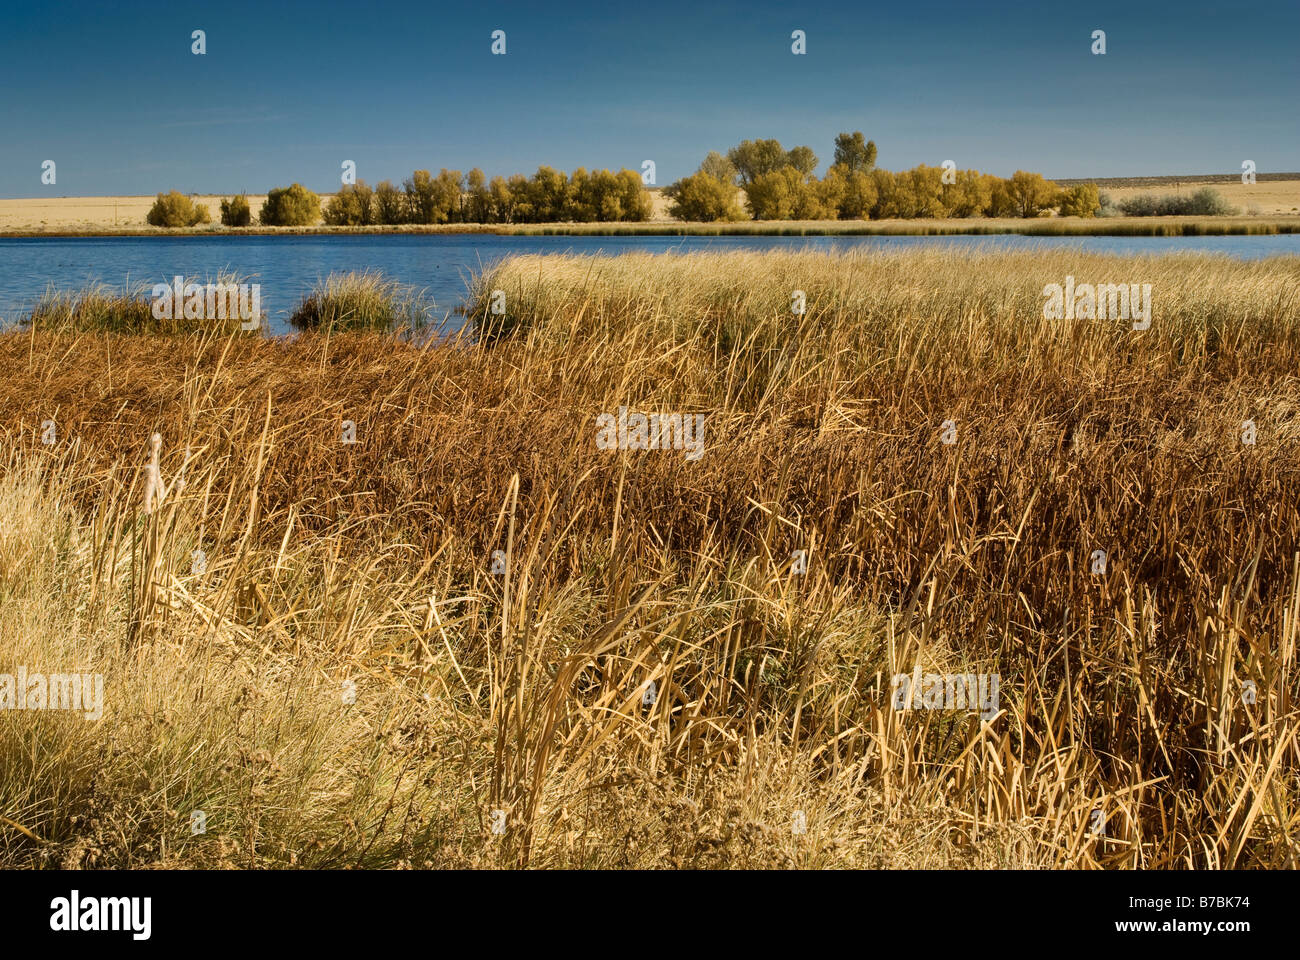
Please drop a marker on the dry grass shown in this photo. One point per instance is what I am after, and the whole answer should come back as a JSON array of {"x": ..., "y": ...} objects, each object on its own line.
[
  {"x": 94, "y": 213},
  {"x": 362, "y": 301},
  {"x": 524, "y": 691},
  {"x": 100, "y": 308},
  {"x": 1266, "y": 197}
]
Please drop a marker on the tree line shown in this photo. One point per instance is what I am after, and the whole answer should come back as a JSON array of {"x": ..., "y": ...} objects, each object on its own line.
[
  {"x": 548, "y": 196},
  {"x": 779, "y": 184}
]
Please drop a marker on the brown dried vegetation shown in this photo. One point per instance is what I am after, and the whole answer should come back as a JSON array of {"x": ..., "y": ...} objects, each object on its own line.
[{"x": 371, "y": 563}]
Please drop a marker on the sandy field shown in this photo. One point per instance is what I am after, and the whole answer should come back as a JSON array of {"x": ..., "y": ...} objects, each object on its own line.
[
  {"x": 65, "y": 212},
  {"x": 1265, "y": 198}
]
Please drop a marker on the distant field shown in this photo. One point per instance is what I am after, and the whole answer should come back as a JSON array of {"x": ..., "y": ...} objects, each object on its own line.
[
  {"x": 1276, "y": 194},
  {"x": 1214, "y": 179},
  {"x": 61, "y": 213}
]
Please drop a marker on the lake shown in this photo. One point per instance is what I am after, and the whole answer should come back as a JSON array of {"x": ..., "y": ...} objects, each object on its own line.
[{"x": 287, "y": 267}]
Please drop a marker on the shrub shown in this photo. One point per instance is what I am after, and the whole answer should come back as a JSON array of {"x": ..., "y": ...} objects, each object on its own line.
[
  {"x": 1206, "y": 202},
  {"x": 1081, "y": 200},
  {"x": 174, "y": 209},
  {"x": 1141, "y": 205},
  {"x": 293, "y": 206},
  {"x": 235, "y": 212}
]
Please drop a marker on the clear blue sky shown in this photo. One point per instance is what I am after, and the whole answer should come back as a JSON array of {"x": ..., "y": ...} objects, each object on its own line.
[{"x": 112, "y": 93}]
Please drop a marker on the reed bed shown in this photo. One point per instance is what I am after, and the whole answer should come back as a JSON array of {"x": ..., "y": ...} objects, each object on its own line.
[
  {"x": 101, "y": 308},
  {"x": 975, "y": 226},
  {"x": 365, "y": 300},
  {"x": 464, "y": 610}
]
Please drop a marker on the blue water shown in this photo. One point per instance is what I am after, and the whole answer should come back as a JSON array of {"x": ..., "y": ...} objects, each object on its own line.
[{"x": 287, "y": 267}]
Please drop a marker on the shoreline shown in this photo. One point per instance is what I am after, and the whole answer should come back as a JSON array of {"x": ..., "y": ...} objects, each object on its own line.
[{"x": 1043, "y": 226}]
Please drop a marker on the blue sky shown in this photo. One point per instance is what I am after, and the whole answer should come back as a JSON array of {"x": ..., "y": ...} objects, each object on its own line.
[{"x": 112, "y": 93}]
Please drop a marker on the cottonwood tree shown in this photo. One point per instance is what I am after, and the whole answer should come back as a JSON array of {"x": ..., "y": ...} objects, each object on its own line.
[
  {"x": 353, "y": 205},
  {"x": 1030, "y": 193},
  {"x": 753, "y": 158},
  {"x": 719, "y": 167},
  {"x": 967, "y": 196},
  {"x": 704, "y": 197},
  {"x": 787, "y": 194},
  {"x": 802, "y": 159},
  {"x": 420, "y": 204},
  {"x": 549, "y": 194},
  {"x": 916, "y": 193},
  {"x": 855, "y": 154},
  {"x": 856, "y": 191},
  {"x": 448, "y": 189},
  {"x": 390, "y": 204},
  {"x": 503, "y": 201},
  {"x": 478, "y": 204}
]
